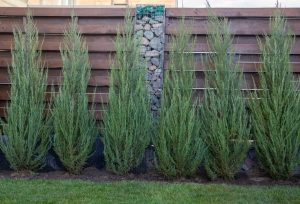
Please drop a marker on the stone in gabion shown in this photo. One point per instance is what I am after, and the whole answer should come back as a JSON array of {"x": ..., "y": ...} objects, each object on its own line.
[
  {"x": 139, "y": 33},
  {"x": 152, "y": 67},
  {"x": 143, "y": 50},
  {"x": 147, "y": 27},
  {"x": 149, "y": 35},
  {"x": 146, "y": 19},
  {"x": 158, "y": 72},
  {"x": 159, "y": 18},
  {"x": 144, "y": 41},
  {"x": 158, "y": 31},
  {"x": 154, "y": 108},
  {"x": 148, "y": 77},
  {"x": 138, "y": 27},
  {"x": 155, "y": 61},
  {"x": 157, "y": 25},
  {"x": 152, "y": 53},
  {"x": 155, "y": 101},
  {"x": 156, "y": 44},
  {"x": 152, "y": 21},
  {"x": 156, "y": 83},
  {"x": 140, "y": 22}
]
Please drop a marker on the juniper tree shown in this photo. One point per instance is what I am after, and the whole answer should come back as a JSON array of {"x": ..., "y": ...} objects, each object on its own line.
[
  {"x": 127, "y": 122},
  {"x": 276, "y": 115},
  {"x": 74, "y": 125},
  {"x": 179, "y": 149},
  {"x": 27, "y": 129},
  {"x": 224, "y": 117}
]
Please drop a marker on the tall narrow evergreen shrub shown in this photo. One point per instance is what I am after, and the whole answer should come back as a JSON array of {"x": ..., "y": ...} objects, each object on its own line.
[
  {"x": 224, "y": 118},
  {"x": 127, "y": 122},
  {"x": 276, "y": 115},
  {"x": 74, "y": 125},
  {"x": 26, "y": 128},
  {"x": 179, "y": 148}
]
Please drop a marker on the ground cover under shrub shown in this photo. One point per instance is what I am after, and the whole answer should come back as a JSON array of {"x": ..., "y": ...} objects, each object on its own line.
[{"x": 67, "y": 191}]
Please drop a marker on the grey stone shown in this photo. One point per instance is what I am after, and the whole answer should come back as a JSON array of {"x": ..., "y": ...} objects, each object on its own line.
[
  {"x": 156, "y": 83},
  {"x": 155, "y": 100},
  {"x": 154, "y": 108},
  {"x": 158, "y": 93},
  {"x": 158, "y": 31},
  {"x": 146, "y": 19},
  {"x": 158, "y": 72},
  {"x": 147, "y": 27},
  {"x": 140, "y": 22},
  {"x": 138, "y": 27},
  {"x": 151, "y": 21},
  {"x": 143, "y": 50},
  {"x": 139, "y": 33},
  {"x": 157, "y": 25},
  {"x": 145, "y": 41},
  {"x": 148, "y": 77},
  {"x": 150, "y": 89},
  {"x": 152, "y": 53},
  {"x": 152, "y": 68},
  {"x": 149, "y": 35},
  {"x": 159, "y": 18},
  {"x": 155, "y": 61},
  {"x": 156, "y": 44}
]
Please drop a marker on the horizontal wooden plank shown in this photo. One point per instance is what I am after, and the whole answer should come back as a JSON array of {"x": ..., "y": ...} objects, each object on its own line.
[
  {"x": 95, "y": 43},
  {"x": 57, "y": 80},
  {"x": 58, "y": 25},
  {"x": 53, "y": 59},
  {"x": 59, "y": 72},
  {"x": 97, "y": 98},
  {"x": 170, "y": 12},
  {"x": 55, "y": 88},
  {"x": 230, "y": 12},
  {"x": 237, "y": 39},
  {"x": 237, "y": 48},
  {"x": 7, "y": 25},
  {"x": 98, "y": 114},
  {"x": 246, "y": 66},
  {"x": 53, "y": 12},
  {"x": 248, "y": 26}
]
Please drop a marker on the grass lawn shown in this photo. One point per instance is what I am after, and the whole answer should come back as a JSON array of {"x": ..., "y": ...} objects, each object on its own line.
[{"x": 54, "y": 191}]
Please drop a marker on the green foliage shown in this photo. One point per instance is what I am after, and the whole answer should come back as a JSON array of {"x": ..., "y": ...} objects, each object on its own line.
[
  {"x": 26, "y": 128},
  {"x": 225, "y": 121},
  {"x": 127, "y": 122},
  {"x": 178, "y": 147},
  {"x": 276, "y": 115},
  {"x": 74, "y": 125}
]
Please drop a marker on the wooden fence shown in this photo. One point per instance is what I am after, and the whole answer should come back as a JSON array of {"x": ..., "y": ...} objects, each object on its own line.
[{"x": 99, "y": 27}]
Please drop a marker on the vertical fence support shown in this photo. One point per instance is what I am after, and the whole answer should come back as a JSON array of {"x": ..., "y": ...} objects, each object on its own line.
[{"x": 149, "y": 27}]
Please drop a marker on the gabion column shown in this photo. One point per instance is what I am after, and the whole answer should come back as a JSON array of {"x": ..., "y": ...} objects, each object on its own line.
[{"x": 149, "y": 27}]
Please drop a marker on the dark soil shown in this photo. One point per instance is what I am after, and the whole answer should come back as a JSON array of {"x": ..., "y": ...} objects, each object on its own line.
[{"x": 96, "y": 175}]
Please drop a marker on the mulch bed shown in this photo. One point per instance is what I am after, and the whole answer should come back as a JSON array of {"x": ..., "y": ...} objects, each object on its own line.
[{"x": 96, "y": 175}]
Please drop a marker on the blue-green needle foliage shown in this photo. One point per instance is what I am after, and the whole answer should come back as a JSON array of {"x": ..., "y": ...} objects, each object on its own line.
[
  {"x": 127, "y": 122},
  {"x": 27, "y": 130},
  {"x": 225, "y": 121},
  {"x": 179, "y": 148},
  {"x": 276, "y": 115},
  {"x": 74, "y": 125}
]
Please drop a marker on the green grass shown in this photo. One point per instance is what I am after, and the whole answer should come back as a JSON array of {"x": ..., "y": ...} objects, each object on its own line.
[{"x": 50, "y": 191}]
